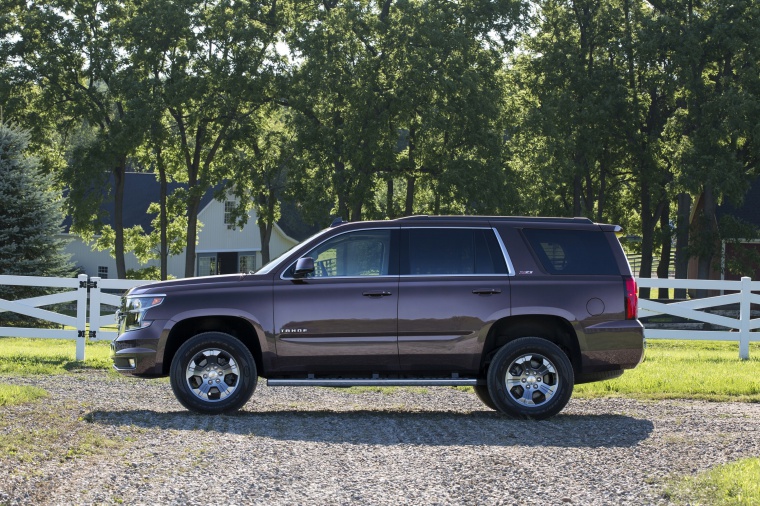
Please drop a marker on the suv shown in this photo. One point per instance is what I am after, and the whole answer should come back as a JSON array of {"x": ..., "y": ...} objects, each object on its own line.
[{"x": 521, "y": 309}]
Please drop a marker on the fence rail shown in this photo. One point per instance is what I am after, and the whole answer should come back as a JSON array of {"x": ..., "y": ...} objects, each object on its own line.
[
  {"x": 89, "y": 295},
  {"x": 740, "y": 328},
  {"x": 80, "y": 287}
]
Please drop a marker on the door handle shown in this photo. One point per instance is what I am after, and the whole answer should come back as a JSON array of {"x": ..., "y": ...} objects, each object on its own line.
[
  {"x": 376, "y": 294},
  {"x": 486, "y": 291}
]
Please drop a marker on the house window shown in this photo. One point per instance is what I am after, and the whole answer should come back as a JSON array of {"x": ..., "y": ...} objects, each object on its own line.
[
  {"x": 247, "y": 262},
  {"x": 229, "y": 220},
  {"x": 103, "y": 272},
  {"x": 206, "y": 265}
]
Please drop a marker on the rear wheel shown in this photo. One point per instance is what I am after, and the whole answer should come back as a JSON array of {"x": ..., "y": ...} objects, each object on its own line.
[
  {"x": 481, "y": 391},
  {"x": 213, "y": 373},
  {"x": 530, "y": 378}
]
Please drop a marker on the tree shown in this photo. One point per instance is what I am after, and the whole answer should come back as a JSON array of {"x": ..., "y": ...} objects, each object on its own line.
[
  {"x": 211, "y": 64},
  {"x": 68, "y": 51},
  {"x": 30, "y": 218}
]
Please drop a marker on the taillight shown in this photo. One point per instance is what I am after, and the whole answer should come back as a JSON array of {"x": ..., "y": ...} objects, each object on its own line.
[{"x": 631, "y": 298}]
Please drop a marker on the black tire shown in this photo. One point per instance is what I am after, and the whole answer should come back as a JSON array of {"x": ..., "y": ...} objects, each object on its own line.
[
  {"x": 530, "y": 378},
  {"x": 226, "y": 373},
  {"x": 481, "y": 391}
]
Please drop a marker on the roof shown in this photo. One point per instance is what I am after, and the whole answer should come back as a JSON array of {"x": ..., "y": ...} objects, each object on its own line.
[
  {"x": 749, "y": 210},
  {"x": 141, "y": 189}
]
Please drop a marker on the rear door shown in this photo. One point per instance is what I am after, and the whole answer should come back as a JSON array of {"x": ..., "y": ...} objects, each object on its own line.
[{"x": 454, "y": 283}]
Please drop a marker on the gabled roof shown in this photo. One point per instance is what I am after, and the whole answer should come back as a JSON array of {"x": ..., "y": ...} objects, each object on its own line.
[
  {"x": 143, "y": 188},
  {"x": 140, "y": 190},
  {"x": 749, "y": 211}
]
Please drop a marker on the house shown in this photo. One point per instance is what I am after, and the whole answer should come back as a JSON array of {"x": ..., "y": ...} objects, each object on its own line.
[
  {"x": 222, "y": 248},
  {"x": 744, "y": 250}
]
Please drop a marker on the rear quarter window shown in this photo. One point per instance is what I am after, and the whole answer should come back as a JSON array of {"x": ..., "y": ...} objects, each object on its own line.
[{"x": 572, "y": 252}]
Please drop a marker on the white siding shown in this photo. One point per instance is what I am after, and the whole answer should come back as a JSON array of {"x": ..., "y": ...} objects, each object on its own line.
[
  {"x": 214, "y": 237},
  {"x": 88, "y": 260}
]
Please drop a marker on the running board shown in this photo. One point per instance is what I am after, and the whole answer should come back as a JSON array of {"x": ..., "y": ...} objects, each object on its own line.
[{"x": 421, "y": 382}]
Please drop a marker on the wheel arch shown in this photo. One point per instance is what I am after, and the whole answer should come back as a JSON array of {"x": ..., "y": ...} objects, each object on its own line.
[
  {"x": 556, "y": 329},
  {"x": 235, "y": 326}
]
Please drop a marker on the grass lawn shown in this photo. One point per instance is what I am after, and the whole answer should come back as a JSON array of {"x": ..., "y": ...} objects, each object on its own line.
[
  {"x": 707, "y": 370},
  {"x": 50, "y": 356},
  {"x": 735, "y": 484}
]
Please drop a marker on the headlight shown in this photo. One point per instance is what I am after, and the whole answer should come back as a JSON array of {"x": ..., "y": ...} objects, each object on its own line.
[{"x": 134, "y": 309}]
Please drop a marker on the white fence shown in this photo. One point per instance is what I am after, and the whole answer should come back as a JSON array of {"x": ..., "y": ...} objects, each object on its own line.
[
  {"x": 80, "y": 331},
  {"x": 740, "y": 328}
]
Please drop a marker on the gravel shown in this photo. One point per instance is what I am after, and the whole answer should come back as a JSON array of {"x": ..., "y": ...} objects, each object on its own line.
[{"x": 333, "y": 446}]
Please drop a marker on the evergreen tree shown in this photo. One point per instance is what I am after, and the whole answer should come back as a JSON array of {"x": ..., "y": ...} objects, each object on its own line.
[{"x": 30, "y": 218}]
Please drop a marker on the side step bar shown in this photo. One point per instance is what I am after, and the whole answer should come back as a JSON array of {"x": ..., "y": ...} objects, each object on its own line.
[{"x": 422, "y": 382}]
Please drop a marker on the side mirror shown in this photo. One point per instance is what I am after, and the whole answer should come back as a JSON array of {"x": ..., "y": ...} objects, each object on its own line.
[{"x": 304, "y": 267}]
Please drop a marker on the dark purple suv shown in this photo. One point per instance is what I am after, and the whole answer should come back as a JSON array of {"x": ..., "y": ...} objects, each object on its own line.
[{"x": 521, "y": 309}]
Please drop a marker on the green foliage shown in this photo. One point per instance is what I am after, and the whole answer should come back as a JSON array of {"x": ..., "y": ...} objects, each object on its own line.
[
  {"x": 734, "y": 484},
  {"x": 30, "y": 221},
  {"x": 375, "y": 109},
  {"x": 151, "y": 272}
]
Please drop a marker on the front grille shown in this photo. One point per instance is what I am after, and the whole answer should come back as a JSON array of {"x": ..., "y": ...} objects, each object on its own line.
[{"x": 122, "y": 345}]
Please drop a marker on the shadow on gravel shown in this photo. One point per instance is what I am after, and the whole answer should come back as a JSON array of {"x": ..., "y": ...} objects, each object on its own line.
[{"x": 394, "y": 428}]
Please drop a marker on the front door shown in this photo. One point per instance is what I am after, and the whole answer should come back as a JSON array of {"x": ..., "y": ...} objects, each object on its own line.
[{"x": 341, "y": 318}]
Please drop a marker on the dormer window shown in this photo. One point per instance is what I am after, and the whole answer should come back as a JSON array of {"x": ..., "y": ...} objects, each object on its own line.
[{"x": 229, "y": 220}]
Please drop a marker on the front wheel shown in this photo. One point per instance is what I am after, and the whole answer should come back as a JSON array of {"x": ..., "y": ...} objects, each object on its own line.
[
  {"x": 213, "y": 373},
  {"x": 530, "y": 378}
]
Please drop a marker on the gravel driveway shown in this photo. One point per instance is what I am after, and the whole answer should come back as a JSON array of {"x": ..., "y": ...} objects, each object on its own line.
[{"x": 332, "y": 446}]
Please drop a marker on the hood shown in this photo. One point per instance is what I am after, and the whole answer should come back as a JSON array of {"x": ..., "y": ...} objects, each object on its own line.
[{"x": 190, "y": 284}]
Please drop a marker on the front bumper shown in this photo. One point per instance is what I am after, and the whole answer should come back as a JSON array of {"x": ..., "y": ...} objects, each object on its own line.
[{"x": 136, "y": 352}]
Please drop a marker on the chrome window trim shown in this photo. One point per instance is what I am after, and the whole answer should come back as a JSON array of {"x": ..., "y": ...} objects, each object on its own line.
[
  {"x": 510, "y": 267},
  {"x": 282, "y": 276},
  {"x": 507, "y": 259}
]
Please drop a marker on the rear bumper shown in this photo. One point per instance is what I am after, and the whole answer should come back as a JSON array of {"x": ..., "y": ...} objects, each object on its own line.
[{"x": 613, "y": 346}]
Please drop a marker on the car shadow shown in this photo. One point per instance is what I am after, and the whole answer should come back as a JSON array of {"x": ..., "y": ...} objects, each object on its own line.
[{"x": 396, "y": 428}]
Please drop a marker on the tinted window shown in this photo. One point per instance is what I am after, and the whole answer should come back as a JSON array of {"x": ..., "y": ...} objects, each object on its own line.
[
  {"x": 440, "y": 251},
  {"x": 360, "y": 253},
  {"x": 572, "y": 251}
]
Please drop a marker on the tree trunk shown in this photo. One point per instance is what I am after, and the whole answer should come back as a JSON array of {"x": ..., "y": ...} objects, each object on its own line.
[
  {"x": 267, "y": 203},
  {"x": 118, "y": 217},
  {"x": 389, "y": 212},
  {"x": 577, "y": 191},
  {"x": 664, "y": 267},
  {"x": 409, "y": 207},
  {"x": 265, "y": 233},
  {"x": 193, "y": 203},
  {"x": 164, "y": 220},
  {"x": 682, "y": 241},
  {"x": 709, "y": 234}
]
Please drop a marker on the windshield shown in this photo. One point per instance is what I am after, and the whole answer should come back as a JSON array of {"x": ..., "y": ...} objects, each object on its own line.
[{"x": 274, "y": 264}]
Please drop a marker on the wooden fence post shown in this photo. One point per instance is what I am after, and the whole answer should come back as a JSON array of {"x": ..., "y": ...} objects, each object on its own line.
[
  {"x": 81, "y": 315},
  {"x": 744, "y": 318}
]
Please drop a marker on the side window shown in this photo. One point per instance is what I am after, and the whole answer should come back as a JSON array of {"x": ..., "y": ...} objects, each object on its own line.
[
  {"x": 572, "y": 251},
  {"x": 441, "y": 251},
  {"x": 360, "y": 253}
]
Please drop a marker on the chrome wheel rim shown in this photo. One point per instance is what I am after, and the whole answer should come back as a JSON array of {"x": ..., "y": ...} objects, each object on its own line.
[
  {"x": 212, "y": 375},
  {"x": 532, "y": 380}
]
